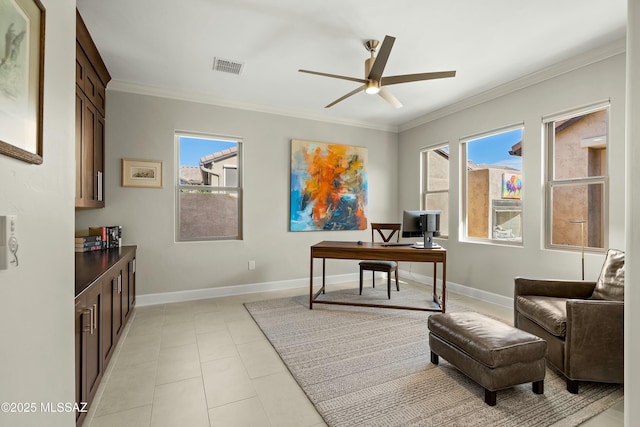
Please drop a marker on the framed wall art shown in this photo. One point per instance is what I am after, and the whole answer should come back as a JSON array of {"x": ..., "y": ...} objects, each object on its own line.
[
  {"x": 511, "y": 186},
  {"x": 22, "y": 24},
  {"x": 141, "y": 173},
  {"x": 328, "y": 187}
]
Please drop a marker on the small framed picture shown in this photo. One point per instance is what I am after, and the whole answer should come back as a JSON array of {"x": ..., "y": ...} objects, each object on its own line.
[{"x": 141, "y": 173}]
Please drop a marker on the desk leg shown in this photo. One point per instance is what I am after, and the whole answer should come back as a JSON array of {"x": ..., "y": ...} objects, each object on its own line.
[
  {"x": 444, "y": 284},
  {"x": 311, "y": 284},
  {"x": 324, "y": 260},
  {"x": 435, "y": 286}
]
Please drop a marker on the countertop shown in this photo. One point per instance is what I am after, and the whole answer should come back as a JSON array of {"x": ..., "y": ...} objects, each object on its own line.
[{"x": 91, "y": 265}]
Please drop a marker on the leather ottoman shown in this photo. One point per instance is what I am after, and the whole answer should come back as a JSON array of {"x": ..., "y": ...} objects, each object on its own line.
[{"x": 490, "y": 352}]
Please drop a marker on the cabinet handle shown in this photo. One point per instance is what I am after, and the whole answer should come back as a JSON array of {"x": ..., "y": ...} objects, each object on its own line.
[
  {"x": 86, "y": 326},
  {"x": 91, "y": 320},
  {"x": 99, "y": 184},
  {"x": 134, "y": 266},
  {"x": 95, "y": 317}
]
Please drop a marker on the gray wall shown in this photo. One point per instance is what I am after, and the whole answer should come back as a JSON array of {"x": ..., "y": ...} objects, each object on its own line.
[
  {"x": 36, "y": 298},
  {"x": 492, "y": 268},
  {"x": 142, "y": 127},
  {"x": 632, "y": 294}
]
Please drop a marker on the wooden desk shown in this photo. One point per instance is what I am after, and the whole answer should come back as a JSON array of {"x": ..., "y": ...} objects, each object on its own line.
[{"x": 351, "y": 250}]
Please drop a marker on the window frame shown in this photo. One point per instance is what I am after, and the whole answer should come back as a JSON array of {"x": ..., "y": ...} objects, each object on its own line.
[
  {"x": 548, "y": 132},
  {"x": 210, "y": 188},
  {"x": 424, "y": 182},
  {"x": 464, "y": 185}
]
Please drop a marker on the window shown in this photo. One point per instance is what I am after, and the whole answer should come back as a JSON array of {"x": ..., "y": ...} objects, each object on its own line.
[
  {"x": 493, "y": 186},
  {"x": 577, "y": 178},
  {"x": 435, "y": 184},
  {"x": 209, "y": 188}
]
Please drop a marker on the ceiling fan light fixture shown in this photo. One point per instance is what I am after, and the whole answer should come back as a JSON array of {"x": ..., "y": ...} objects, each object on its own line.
[{"x": 373, "y": 87}]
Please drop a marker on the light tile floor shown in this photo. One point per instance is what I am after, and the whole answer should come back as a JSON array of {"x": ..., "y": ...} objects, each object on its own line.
[{"x": 206, "y": 363}]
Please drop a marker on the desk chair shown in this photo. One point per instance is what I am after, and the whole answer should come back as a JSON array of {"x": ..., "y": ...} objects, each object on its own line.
[{"x": 386, "y": 231}]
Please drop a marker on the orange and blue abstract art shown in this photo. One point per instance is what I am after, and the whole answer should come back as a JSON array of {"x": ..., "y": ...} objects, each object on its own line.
[{"x": 328, "y": 186}]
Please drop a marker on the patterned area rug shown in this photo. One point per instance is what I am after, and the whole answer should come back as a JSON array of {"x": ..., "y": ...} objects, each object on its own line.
[{"x": 370, "y": 367}]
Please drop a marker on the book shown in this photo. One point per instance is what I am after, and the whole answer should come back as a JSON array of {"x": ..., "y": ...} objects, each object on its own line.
[
  {"x": 111, "y": 235},
  {"x": 97, "y": 243},
  {"x": 88, "y": 239},
  {"x": 88, "y": 248}
]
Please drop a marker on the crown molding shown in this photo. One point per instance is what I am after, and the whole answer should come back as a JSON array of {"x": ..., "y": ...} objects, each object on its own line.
[
  {"x": 127, "y": 87},
  {"x": 595, "y": 55},
  {"x": 591, "y": 57}
]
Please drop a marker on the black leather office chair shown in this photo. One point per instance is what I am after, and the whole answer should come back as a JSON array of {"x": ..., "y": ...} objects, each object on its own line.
[{"x": 386, "y": 231}]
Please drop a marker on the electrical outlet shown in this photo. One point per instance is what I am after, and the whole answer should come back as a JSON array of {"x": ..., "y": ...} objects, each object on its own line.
[{"x": 252, "y": 265}]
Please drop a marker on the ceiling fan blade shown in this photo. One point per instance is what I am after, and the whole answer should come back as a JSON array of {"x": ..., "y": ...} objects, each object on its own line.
[
  {"x": 406, "y": 78},
  {"x": 335, "y": 76},
  {"x": 390, "y": 98},
  {"x": 353, "y": 92},
  {"x": 381, "y": 59}
]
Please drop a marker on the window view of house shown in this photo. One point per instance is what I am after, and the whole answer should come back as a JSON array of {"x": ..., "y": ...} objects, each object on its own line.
[
  {"x": 494, "y": 186},
  {"x": 577, "y": 171},
  {"x": 435, "y": 184},
  {"x": 208, "y": 189}
]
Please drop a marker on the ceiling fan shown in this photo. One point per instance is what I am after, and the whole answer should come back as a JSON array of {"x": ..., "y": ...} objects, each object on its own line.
[{"x": 373, "y": 69}]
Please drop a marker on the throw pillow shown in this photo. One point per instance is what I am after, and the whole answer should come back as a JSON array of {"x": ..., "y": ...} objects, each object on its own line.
[{"x": 610, "y": 284}]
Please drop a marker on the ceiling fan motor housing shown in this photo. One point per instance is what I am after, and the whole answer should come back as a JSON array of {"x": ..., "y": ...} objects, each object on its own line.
[{"x": 373, "y": 86}]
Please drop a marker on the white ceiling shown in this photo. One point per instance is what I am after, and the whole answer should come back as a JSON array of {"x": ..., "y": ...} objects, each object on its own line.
[{"x": 167, "y": 47}]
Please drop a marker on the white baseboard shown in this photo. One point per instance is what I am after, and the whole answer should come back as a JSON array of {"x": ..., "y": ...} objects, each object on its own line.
[
  {"x": 225, "y": 291},
  {"x": 459, "y": 289}
]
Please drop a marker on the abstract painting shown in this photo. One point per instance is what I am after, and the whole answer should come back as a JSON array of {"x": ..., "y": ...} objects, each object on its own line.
[
  {"x": 328, "y": 186},
  {"x": 511, "y": 186}
]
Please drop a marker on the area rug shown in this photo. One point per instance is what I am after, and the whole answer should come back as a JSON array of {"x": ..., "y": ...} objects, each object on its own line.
[{"x": 371, "y": 367}]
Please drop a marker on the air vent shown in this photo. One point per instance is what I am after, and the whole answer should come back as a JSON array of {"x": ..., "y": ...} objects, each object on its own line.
[{"x": 227, "y": 66}]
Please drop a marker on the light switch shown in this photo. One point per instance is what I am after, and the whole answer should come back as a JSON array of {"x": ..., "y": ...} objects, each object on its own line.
[{"x": 8, "y": 241}]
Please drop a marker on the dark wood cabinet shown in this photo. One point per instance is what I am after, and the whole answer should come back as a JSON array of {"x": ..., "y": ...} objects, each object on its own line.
[
  {"x": 128, "y": 288},
  {"x": 92, "y": 328},
  {"x": 105, "y": 299},
  {"x": 80, "y": 354},
  {"x": 112, "y": 313},
  {"x": 118, "y": 311},
  {"x": 89, "y": 154},
  {"x": 88, "y": 333},
  {"x": 92, "y": 78}
]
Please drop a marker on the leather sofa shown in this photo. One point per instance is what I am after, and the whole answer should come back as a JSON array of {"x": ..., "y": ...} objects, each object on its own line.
[{"x": 582, "y": 322}]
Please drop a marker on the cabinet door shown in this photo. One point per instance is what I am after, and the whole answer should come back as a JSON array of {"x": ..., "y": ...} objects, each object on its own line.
[
  {"x": 89, "y": 154},
  {"x": 82, "y": 325},
  {"x": 118, "y": 322},
  {"x": 93, "y": 367},
  {"x": 80, "y": 100},
  {"x": 132, "y": 282},
  {"x": 81, "y": 66},
  {"x": 91, "y": 83},
  {"x": 98, "y": 160},
  {"x": 126, "y": 306},
  {"x": 109, "y": 297},
  {"x": 89, "y": 119}
]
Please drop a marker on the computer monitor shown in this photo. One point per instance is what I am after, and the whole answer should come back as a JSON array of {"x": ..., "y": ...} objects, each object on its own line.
[{"x": 424, "y": 224}]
